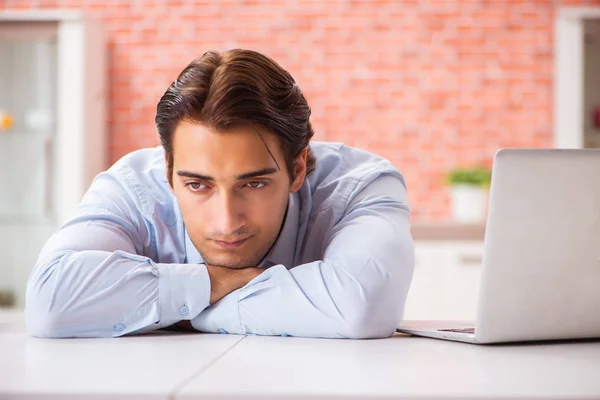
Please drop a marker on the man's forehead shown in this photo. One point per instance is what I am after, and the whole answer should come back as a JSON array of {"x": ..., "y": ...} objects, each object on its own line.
[
  {"x": 195, "y": 136},
  {"x": 223, "y": 155}
]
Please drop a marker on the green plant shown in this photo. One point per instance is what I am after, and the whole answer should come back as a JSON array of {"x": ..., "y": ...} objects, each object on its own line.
[{"x": 475, "y": 176}]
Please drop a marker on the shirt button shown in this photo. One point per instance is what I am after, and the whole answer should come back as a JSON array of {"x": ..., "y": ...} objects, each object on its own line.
[
  {"x": 222, "y": 331},
  {"x": 184, "y": 310},
  {"x": 119, "y": 327}
]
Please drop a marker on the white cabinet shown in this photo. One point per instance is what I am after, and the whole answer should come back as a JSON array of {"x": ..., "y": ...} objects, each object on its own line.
[
  {"x": 52, "y": 81},
  {"x": 445, "y": 284}
]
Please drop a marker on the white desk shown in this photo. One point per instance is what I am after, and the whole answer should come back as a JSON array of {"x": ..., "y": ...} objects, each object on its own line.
[
  {"x": 150, "y": 366},
  {"x": 401, "y": 367},
  {"x": 200, "y": 366}
]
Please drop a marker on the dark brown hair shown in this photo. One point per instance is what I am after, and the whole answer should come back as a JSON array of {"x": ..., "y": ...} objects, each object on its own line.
[{"x": 236, "y": 88}]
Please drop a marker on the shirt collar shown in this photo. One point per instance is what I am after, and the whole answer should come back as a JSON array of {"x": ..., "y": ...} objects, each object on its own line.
[{"x": 284, "y": 248}]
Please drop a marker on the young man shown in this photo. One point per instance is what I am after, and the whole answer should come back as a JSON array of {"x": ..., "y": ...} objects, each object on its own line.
[{"x": 237, "y": 224}]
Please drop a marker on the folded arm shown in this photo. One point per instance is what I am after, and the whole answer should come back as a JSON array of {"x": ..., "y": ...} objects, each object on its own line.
[
  {"x": 91, "y": 281},
  {"x": 357, "y": 290}
]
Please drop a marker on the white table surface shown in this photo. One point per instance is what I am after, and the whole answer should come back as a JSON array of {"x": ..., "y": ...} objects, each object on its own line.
[
  {"x": 201, "y": 366},
  {"x": 151, "y": 366},
  {"x": 401, "y": 367}
]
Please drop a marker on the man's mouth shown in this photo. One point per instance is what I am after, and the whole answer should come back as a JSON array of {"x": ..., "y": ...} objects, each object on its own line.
[{"x": 230, "y": 244}]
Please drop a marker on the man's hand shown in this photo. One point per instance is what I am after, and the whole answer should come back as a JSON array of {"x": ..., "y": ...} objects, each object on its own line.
[{"x": 225, "y": 280}]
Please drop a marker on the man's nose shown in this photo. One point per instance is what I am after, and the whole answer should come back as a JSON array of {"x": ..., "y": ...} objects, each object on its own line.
[{"x": 229, "y": 215}]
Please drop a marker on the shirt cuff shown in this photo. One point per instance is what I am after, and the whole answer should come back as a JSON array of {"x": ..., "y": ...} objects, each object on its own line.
[
  {"x": 184, "y": 291},
  {"x": 221, "y": 317}
]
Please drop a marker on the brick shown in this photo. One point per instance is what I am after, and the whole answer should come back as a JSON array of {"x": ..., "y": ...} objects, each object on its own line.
[{"x": 427, "y": 84}]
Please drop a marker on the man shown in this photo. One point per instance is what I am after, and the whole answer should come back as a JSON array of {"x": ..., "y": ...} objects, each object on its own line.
[{"x": 237, "y": 224}]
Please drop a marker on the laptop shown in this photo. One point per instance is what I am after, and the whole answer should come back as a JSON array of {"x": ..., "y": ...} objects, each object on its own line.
[{"x": 541, "y": 259}]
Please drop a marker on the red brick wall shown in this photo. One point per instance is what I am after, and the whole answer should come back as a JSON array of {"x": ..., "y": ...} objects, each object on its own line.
[{"x": 427, "y": 84}]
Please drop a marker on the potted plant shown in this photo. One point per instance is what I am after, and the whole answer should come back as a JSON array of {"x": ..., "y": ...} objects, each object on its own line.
[{"x": 469, "y": 193}]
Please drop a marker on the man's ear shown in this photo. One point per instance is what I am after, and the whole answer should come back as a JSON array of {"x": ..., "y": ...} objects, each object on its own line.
[
  {"x": 169, "y": 173},
  {"x": 299, "y": 171}
]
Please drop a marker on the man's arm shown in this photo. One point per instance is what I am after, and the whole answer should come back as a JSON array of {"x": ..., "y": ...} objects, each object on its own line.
[
  {"x": 357, "y": 290},
  {"x": 90, "y": 281}
]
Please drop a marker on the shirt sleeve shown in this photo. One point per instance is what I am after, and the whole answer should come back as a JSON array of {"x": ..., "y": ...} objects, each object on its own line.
[
  {"x": 357, "y": 290},
  {"x": 91, "y": 281}
]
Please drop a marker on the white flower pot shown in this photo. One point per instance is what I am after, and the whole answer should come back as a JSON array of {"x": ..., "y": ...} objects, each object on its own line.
[{"x": 469, "y": 204}]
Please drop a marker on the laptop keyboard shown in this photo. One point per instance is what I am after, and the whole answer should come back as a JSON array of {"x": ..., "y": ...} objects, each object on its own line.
[{"x": 465, "y": 330}]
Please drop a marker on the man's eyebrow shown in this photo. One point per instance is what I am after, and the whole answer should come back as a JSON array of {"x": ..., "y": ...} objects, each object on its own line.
[
  {"x": 247, "y": 175},
  {"x": 260, "y": 172},
  {"x": 195, "y": 176}
]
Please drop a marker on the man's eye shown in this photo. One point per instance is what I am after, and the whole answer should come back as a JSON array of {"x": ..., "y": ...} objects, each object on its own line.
[
  {"x": 195, "y": 186},
  {"x": 256, "y": 184}
]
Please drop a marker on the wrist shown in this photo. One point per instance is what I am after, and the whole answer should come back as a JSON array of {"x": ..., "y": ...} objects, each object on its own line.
[{"x": 224, "y": 281}]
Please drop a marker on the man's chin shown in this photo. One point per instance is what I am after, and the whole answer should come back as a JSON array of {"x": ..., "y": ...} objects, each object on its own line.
[{"x": 228, "y": 263}]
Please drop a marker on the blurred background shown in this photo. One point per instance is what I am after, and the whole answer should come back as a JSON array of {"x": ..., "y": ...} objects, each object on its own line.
[{"x": 434, "y": 86}]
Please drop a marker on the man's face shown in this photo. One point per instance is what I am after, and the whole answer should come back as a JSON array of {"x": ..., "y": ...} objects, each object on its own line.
[{"x": 232, "y": 194}]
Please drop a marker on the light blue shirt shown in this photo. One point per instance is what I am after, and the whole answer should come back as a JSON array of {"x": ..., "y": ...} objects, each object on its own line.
[{"x": 124, "y": 264}]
